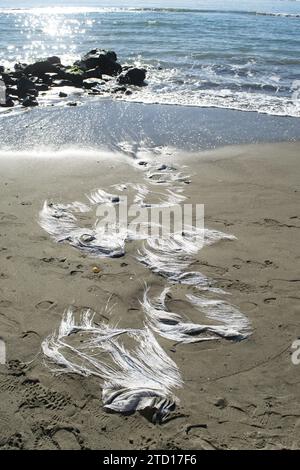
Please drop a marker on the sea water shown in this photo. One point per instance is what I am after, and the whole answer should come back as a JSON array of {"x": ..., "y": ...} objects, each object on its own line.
[{"x": 227, "y": 54}]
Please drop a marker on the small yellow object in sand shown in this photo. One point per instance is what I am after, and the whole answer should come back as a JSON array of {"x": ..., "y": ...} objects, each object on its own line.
[{"x": 96, "y": 270}]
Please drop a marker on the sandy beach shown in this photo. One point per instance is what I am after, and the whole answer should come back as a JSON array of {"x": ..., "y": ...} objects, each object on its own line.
[
  {"x": 235, "y": 395},
  {"x": 149, "y": 229}
]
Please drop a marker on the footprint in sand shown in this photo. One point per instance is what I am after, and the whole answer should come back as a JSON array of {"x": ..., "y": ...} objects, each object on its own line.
[
  {"x": 45, "y": 305},
  {"x": 248, "y": 306},
  {"x": 74, "y": 272},
  {"x": 9, "y": 423},
  {"x": 9, "y": 383},
  {"x": 52, "y": 260},
  {"x": 68, "y": 439},
  {"x": 273, "y": 223},
  {"x": 270, "y": 300},
  {"x": 44, "y": 442},
  {"x": 35, "y": 395},
  {"x": 253, "y": 263},
  {"x": 7, "y": 217}
]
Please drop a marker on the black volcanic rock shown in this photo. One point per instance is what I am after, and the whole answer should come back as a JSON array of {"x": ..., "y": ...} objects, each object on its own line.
[
  {"x": 25, "y": 86},
  {"x": 17, "y": 74},
  {"x": 19, "y": 67},
  {"x": 12, "y": 90},
  {"x": 92, "y": 83},
  {"x": 105, "y": 61},
  {"x": 73, "y": 74},
  {"x": 118, "y": 89},
  {"x": 48, "y": 78},
  {"x": 40, "y": 68},
  {"x": 42, "y": 86},
  {"x": 8, "y": 79},
  {"x": 98, "y": 72},
  {"x": 112, "y": 55},
  {"x": 108, "y": 60},
  {"x": 62, "y": 82},
  {"x": 108, "y": 67},
  {"x": 29, "y": 101},
  {"x": 54, "y": 60},
  {"x": 133, "y": 76},
  {"x": 93, "y": 73},
  {"x": 91, "y": 58}
]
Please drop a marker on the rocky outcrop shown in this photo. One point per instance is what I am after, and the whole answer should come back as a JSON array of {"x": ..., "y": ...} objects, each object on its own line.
[
  {"x": 8, "y": 79},
  {"x": 93, "y": 73},
  {"x": 54, "y": 60},
  {"x": 104, "y": 62},
  {"x": 133, "y": 76},
  {"x": 97, "y": 72},
  {"x": 90, "y": 83},
  {"x": 29, "y": 102},
  {"x": 40, "y": 68},
  {"x": 73, "y": 74},
  {"x": 25, "y": 87}
]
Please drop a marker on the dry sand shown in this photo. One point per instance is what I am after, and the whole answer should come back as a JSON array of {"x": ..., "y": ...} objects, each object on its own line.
[{"x": 235, "y": 395}]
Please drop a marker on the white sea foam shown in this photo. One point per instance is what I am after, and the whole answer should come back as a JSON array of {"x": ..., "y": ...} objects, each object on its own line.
[
  {"x": 132, "y": 379},
  {"x": 167, "y": 92},
  {"x": 167, "y": 177},
  {"x": 145, "y": 197},
  {"x": 60, "y": 221},
  {"x": 99, "y": 196},
  {"x": 234, "y": 325},
  {"x": 171, "y": 257}
]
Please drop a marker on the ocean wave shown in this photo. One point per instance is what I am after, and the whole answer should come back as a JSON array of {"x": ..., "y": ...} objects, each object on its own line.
[
  {"x": 223, "y": 98},
  {"x": 249, "y": 78},
  {"x": 282, "y": 108},
  {"x": 263, "y": 98},
  {"x": 72, "y": 10},
  {"x": 285, "y": 15}
]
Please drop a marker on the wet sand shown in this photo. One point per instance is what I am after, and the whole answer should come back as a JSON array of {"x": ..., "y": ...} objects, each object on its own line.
[
  {"x": 111, "y": 124},
  {"x": 236, "y": 395}
]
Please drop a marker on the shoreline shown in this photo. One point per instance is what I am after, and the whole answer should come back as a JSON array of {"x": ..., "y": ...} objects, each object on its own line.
[
  {"x": 133, "y": 127},
  {"x": 243, "y": 394},
  {"x": 79, "y": 99}
]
